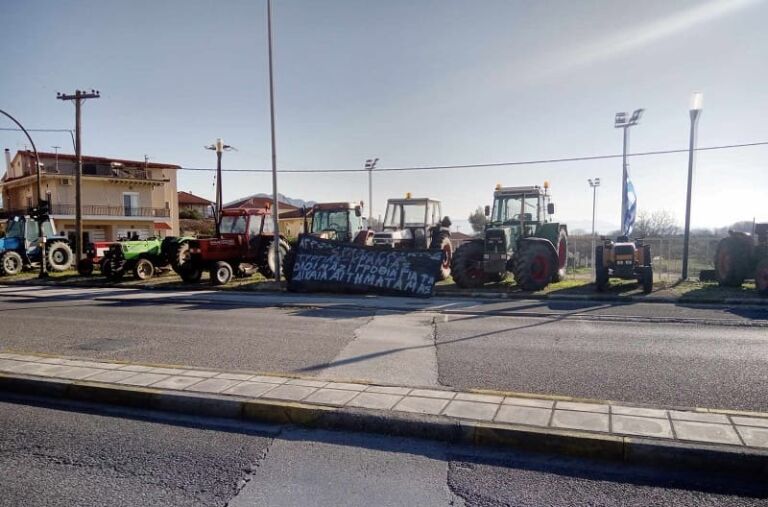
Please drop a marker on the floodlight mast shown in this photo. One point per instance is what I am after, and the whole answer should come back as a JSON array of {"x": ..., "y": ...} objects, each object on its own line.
[{"x": 622, "y": 122}]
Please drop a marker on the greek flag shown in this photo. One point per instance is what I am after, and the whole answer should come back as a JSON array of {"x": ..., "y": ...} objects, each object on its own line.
[{"x": 631, "y": 212}]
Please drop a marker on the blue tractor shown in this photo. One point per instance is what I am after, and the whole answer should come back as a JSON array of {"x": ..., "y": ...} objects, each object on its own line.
[{"x": 21, "y": 247}]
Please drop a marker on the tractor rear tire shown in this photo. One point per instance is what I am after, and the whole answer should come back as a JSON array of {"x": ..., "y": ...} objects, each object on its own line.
[
  {"x": 646, "y": 280},
  {"x": 496, "y": 277},
  {"x": 443, "y": 242},
  {"x": 115, "y": 275},
  {"x": 266, "y": 265},
  {"x": 191, "y": 274},
  {"x": 143, "y": 269},
  {"x": 761, "y": 277},
  {"x": 11, "y": 263},
  {"x": 601, "y": 272},
  {"x": 732, "y": 260},
  {"x": 534, "y": 267},
  {"x": 179, "y": 257},
  {"x": 85, "y": 267},
  {"x": 467, "y": 266},
  {"x": 289, "y": 262},
  {"x": 59, "y": 256},
  {"x": 221, "y": 273},
  {"x": 562, "y": 256}
]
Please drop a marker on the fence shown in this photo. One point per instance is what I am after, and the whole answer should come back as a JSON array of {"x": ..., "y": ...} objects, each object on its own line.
[{"x": 667, "y": 255}]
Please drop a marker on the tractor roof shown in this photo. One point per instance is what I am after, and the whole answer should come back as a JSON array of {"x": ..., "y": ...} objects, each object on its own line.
[
  {"x": 412, "y": 200},
  {"x": 236, "y": 212},
  {"x": 530, "y": 190},
  {"x": 334, "y": 206}
]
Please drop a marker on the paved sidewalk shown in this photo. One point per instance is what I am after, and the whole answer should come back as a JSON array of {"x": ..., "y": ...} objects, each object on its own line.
[{"x": 740, "y": 430}]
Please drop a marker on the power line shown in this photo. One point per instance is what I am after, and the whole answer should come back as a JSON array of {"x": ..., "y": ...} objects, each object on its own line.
[{"x": 493, "y": 164}]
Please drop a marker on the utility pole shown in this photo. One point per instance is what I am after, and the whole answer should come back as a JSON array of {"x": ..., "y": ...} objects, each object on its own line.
[
  {"x": 695, "y": 109},
  {"x": 370, "y": 165},
  {"x": 275, "y": 205},
  {"x": 594, "y": 184},
  {"x": 78, "y": 97},
  {"x": 219, "y": 147}
]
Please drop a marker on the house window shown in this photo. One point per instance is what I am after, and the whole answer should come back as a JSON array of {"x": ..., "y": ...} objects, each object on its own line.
[{"x": 131, "y": 204}]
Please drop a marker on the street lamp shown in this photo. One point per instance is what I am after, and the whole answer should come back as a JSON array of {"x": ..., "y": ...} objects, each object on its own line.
[
  {"x": 622, "y": 122},
  {"x": 370, "y": 165},
  {"x": 219, "y": 147},
  {"x": 695, "y": 110},
  {"x": 594, "y": 184}
]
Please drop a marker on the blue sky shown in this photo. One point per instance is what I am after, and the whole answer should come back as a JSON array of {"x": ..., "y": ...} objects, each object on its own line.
[{"x": 425, "y": 82}]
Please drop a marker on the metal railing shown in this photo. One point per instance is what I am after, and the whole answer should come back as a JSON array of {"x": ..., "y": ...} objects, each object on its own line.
[
  {"x": 104, "y": 171},
  {"x": 113, "y": 211}
]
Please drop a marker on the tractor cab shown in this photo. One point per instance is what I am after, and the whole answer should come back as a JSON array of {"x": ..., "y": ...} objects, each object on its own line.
[
  {"x": 240, "y": 230},
  {"x": 409, "y": 223},
  {"x": 520, "y": 209},
  {"x": 23, "y": 233},
  {"x": 340, "y": 221}
]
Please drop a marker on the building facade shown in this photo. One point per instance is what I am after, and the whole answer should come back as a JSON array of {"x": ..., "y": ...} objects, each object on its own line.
[{"x": 120, "y": 198}]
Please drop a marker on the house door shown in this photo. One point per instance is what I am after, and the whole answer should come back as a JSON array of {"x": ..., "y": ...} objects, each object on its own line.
[{"x": 131, "y": 203}]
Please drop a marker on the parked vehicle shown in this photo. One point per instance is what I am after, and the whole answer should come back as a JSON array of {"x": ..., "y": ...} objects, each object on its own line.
[
  {"x": 741, "y": 256},
  {"x": 144, "y": 258},
  {"x": 94, "y": 256},
  {"x": 625, "y": 259},
  {"x": 416, "y": 223},
  {"x": 243, "y": 246},
  {"x": 21, "y": 247},
  {"x": 339, "y": 221},
  {"x": 519, "y": 237}
]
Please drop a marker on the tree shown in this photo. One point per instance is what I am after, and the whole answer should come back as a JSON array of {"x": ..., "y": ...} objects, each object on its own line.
[
  {"x": 188, "y": 213},
  {"x": 658, "y": 224},
  {"x": 477, "y": 220}
]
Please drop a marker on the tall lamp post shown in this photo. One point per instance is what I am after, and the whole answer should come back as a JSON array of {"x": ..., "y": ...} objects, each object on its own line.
[
  {"x": 594, "y": 184},
  {"x": 275, "y": 204},
  {"x": 622, "y": 122},
  {"x": 219, "y": 147},
  {"x": 370, "y": 165},
  {"x": 695, "y": 111}
]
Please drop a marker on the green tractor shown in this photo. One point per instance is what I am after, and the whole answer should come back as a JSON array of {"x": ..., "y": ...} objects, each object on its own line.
[
  {"x": 520, "y": 238},
  {"x": 144, "y": 258},
  {"x": 741, "y": 256}
]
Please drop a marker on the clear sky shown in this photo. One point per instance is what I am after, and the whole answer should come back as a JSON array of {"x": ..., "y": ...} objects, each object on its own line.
[{"x": 413, "y": 82}]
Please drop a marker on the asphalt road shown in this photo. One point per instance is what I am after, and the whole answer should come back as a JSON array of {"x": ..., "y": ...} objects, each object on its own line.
[
  {"x": 708, "y": 356},
  {"x": 105, "y": 456}
]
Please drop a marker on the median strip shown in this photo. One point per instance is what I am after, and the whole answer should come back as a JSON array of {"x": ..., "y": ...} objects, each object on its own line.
[{"x": 701, "y": 438}]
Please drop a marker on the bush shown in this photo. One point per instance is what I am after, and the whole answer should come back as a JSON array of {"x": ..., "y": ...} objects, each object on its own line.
[{"x": 191, "y": 214}]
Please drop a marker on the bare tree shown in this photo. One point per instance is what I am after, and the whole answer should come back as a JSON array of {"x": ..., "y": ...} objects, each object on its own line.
[
  {"x": 658, "y": 224},
  {"x": 477, "y": 220}
]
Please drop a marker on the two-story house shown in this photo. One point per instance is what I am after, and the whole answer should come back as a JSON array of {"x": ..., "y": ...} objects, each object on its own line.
[
  {"x": 194, "y": 204},
  {"x": 120, "y": 198}
]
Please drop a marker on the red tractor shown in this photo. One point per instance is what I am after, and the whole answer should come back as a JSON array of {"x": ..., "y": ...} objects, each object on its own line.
[{"x": 244, "y": 245}]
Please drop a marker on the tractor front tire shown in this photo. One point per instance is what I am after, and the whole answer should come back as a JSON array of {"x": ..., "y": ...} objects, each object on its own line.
[
  {"x": 562, "y": 256},
  {"x": 59, "y": 256},
  {"x": 646, "y": 280},
  {"x": 534, "y": 267},
  {"x": 85, "y": 267},
  {"x": 601, "y": 272},
  {"x": 143, "y": 269},
  {"x": 221, "y": 273},
  {"x": 761, "y": 277},
  {"x": 289, "y": 262},
  {"x": 732, "y": 260},
  {"x": 443, "y": 243},
  {"x": 191, "y": 274},
  {"x": 467, "y": 266},
  {"x": 11, "y": 263},
  {"x": 267, "y": 259}
]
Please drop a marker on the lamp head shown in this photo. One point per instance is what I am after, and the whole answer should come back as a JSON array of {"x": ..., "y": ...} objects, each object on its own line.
[{"x": 697, "y": 100}]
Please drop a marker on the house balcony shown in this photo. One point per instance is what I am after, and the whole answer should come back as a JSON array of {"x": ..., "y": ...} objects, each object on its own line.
[{"x": 65, "y": 210}]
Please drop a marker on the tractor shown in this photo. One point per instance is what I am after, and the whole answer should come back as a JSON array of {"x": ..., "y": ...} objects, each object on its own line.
[
  {"x": 741, "y": 256},
  {"x": 144, "y": 258},
  {"x": 94, "y": 256},
  {"x": 339, "y": 221},
  {"x": 21, "y": 247},
  {"x": 520, "y": 238},
  {"x": 244, "y": 244},
  {"x": 415, "y": 223},
  {"x": 629, "y": 260}
]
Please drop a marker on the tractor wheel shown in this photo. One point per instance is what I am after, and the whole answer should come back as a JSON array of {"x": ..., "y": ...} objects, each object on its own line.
[
  {"x": 59, "y": 256},
  {"x": 732, "y": 260},
  {"x": 534, "y": 266},
  {"x": 289, "y": 261},
  {"x": 646, "y": 280},
  {"x": 115, "y": 275},
  {"x": 11, "y": 263},
  {"x": 221, "y": 273},
  {"x": 496, "y": 277},
  {"x": 562, "y": 256},
  {"x": 761, "y": 277},
  {"x": 85, "y": 267},
  {"x": 467, "y": 265},
  {"x": 443, "y": 242},
  {"x": 191, "y": 274},
  {"x": 144, "y": 269},
  {"x": 601, "y": 273},
  {"x": 267, "y": 260},
  {"x": 179, "y": 257}
]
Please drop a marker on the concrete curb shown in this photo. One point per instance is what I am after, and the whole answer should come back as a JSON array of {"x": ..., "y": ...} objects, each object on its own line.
[{"x": 645, "y": 451}]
